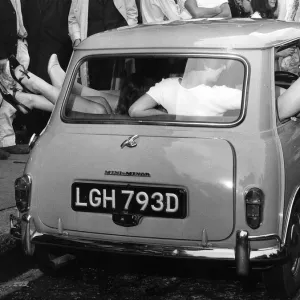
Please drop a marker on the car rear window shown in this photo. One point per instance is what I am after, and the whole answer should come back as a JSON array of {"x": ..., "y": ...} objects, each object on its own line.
[{"x": 153, "y": 89}]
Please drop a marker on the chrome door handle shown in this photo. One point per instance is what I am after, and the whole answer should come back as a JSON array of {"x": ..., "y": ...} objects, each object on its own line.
[{"x": 130, "y": 142}]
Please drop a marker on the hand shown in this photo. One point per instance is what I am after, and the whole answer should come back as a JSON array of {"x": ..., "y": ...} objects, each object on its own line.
[
  {"x": 286, "y": 52},
  {"x": 76, "y": 42},
  {"x": 224, "y": 11},
  {"x": 218, "y": 9}
]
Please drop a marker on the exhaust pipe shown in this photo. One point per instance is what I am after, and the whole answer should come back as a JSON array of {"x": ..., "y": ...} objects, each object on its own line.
[{"x": 61, "y": 261}]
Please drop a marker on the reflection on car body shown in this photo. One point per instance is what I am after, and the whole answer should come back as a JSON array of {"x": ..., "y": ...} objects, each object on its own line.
[{"x": 223, "y": 185}]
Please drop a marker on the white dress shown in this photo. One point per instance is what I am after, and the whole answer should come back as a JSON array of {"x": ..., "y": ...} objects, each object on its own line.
[
  {"x": 199, "y": 101},
  {"x": 289, "y": 10}
]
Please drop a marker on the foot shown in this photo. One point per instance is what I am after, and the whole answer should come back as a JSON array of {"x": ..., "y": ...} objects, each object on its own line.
[
  {"x": 29, "y": 81},
  {"x": 4, "y": 155},
  {"x": 25, "y": 104},
  {"x": 17, "y": 149},
  {"x": 56, "y": 73}
]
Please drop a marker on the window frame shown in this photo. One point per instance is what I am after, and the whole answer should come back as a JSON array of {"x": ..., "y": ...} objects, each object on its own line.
[
  {"x": 134, "y": 121},
  {"x": 284, "y": 46}
]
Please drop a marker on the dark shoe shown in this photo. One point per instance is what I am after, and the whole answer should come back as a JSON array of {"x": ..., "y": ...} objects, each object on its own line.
[
  {"x": 17, "y": 149},
  {"x": 13, "y": 64},
  {"x": 4, "y": 155},
  {"x": 12, "y": 100}
]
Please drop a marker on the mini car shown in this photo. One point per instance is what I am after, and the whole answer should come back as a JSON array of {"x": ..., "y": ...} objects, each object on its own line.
[{"x": 175, "y": 182}]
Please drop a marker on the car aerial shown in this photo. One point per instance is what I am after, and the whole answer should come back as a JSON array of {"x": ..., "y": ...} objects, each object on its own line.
[{"x": 220, "y": 184}]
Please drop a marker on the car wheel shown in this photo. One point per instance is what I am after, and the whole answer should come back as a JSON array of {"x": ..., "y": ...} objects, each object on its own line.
[
  {"x": 45, "y": 256},
  {"x": 284, "y": 280}
]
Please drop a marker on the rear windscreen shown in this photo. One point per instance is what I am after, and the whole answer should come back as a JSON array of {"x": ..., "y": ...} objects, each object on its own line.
[{"x": 154, "y": 89}]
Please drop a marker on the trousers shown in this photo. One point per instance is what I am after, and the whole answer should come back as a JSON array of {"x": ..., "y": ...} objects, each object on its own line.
[
  {"x": 7, "y": 134},
  {"x": 7, "y": 112}
]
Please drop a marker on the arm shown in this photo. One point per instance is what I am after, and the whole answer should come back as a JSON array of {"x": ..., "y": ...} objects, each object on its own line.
[
  {"x": 144, "y": 107},
  {"x": 74, "y": 28},
  {"x": 201, "y": 12},
  {"x": 131, "y": 11},
  {"x": 228, "y": 98},
  {"x": 288, "y": 103},
  {"x": 285, "y": 53},
  {"x": 225, "y": 11}
]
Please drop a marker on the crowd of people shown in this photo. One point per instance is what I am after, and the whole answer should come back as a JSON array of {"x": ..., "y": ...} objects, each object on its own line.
[{"x": 39, "y": 33}]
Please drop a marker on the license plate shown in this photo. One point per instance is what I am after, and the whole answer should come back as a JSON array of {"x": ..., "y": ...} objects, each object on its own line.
[{"x": 166, "y": 202}]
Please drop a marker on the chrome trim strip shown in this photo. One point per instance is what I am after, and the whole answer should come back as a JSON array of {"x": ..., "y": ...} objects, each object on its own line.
[
  {"x": 29, "y": 238},
  {"x": 283, "y": 44},
  {"x": 288, "y": 214},
  {"x": 197, "y": 252},
  {"x": 26, "y": 235},
  {"x": 266, "y": 237},
  {"x": 276, "y": 125}
]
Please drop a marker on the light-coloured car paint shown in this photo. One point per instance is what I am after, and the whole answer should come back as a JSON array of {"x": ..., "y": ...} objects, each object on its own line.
[{"x": 250, "y": 153}]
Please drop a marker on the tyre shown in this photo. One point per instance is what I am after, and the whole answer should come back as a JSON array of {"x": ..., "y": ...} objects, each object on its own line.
[
  {"x": 44, "y": 257},
  {"x": 283, "y": 281}
]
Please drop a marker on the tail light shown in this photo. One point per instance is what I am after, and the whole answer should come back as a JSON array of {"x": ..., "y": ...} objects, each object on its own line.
[
  {"x": 254, "y": 200},
  {"x": 22, "y": 192}
]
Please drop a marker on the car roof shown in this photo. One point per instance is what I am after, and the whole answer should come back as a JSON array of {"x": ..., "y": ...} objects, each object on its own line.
[{"x": 201, "y": 33}]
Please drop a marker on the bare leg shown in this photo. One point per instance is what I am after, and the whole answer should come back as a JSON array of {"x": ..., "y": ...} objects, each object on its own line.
[
  {"x": 288, "y": 102},
  {"x": 50, "y": 92},
  {"x": 40, "y": 102},
  {"x": 100, "y": 100},
  {"x": 95, "y": 96},
  {"x": 57, "y": 76},
  {"x": 86, "y": 106},
  {"x": 38, "y": 85},
  {"x": 34, "y": 101}
]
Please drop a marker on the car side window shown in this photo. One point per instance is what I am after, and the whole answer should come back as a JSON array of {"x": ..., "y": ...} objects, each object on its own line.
[{"x": 286, "y": 66}]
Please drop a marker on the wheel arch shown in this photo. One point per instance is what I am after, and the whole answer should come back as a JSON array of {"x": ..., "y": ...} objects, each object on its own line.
[{"x": 288, "y": 212}]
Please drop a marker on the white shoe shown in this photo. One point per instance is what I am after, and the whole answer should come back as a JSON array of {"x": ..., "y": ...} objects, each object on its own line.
[{"x": 55, "y": 72}]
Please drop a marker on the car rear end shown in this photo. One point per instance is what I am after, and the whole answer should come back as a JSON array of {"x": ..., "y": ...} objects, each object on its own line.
[{"x": 163, "y": 185}]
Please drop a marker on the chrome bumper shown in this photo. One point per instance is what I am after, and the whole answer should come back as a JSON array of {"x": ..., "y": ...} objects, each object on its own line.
[{"x": 242, "y": 255}]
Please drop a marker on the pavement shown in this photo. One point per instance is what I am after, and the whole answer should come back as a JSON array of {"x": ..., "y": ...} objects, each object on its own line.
[{"x": 10, "y": 169}]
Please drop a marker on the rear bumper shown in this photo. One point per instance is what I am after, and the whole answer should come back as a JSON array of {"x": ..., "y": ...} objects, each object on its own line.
[{"x": 242, "y": 255}]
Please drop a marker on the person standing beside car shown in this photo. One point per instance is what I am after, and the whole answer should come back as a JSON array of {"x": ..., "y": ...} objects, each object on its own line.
[
  {"x": 240, "y": 8},
  {"x": 288, "y": 59},
  {"x": 87, "y": 17},
  {"x": 160, "y": 10},
  {"x": 12, "y": 42},
  {"x": 289, "y": 10},
  {"x": 46, "y": 22},
  {"x": 265, "y": 9}
]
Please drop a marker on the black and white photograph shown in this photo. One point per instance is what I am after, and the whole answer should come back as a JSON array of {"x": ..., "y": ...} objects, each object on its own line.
[{"x": 150, "y": 149}]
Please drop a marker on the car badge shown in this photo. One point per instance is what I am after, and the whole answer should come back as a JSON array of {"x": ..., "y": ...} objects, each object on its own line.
[{"x": 130, "y": 142}]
